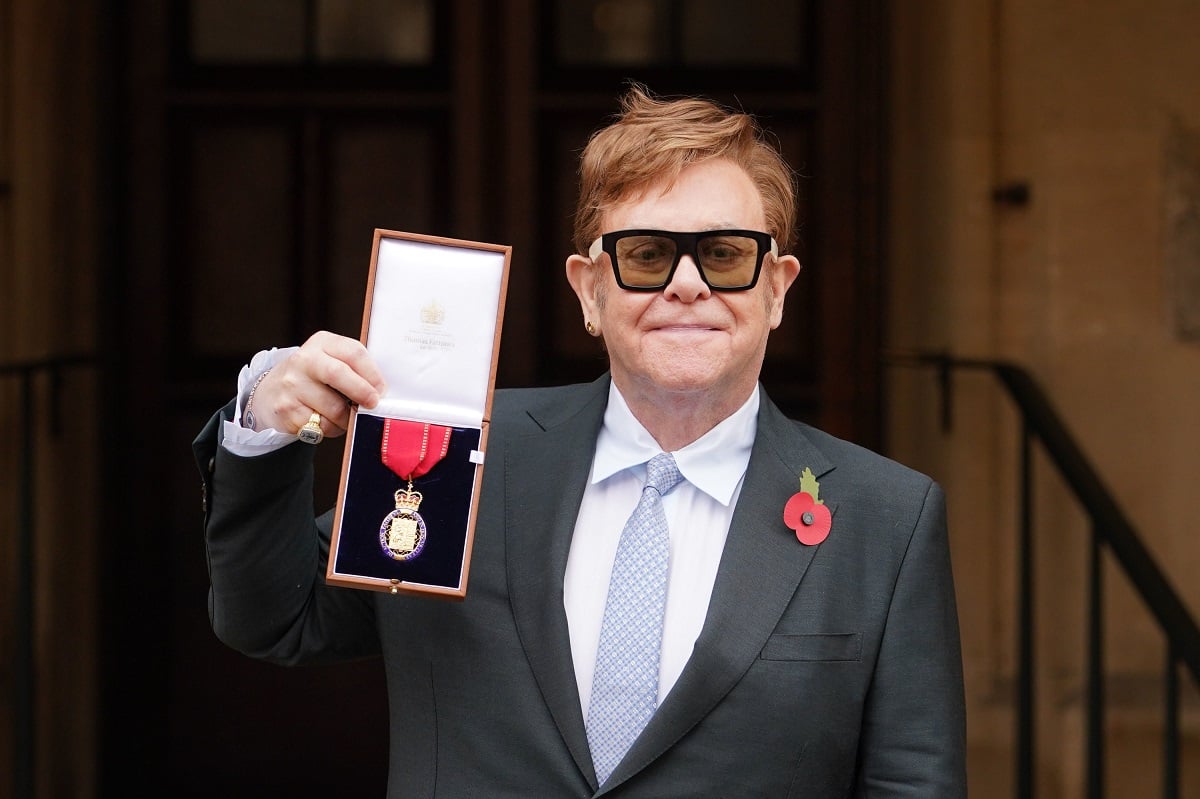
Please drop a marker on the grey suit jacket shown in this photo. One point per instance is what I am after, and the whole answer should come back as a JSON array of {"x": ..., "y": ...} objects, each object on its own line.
[{"x": 825, "y": 671}]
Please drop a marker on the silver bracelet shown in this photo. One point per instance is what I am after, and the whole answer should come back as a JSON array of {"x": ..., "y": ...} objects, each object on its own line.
[{"x": 248, "y": 419}]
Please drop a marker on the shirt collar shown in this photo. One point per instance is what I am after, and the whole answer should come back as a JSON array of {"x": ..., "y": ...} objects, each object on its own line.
[{"x": 713, "y": 463}]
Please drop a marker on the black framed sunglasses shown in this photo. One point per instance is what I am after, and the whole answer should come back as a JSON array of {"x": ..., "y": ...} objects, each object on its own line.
[{"x": 645, "y": 260}]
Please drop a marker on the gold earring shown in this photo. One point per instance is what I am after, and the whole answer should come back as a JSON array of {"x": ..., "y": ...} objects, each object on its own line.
[{"x": 590, "y": 328}]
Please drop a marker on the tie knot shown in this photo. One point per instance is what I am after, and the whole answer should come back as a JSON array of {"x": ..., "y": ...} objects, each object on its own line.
[{"x": 662, "y": 474}]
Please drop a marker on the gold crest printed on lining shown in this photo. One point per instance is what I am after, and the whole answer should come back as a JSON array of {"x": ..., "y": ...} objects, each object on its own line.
[{"x": 433, "y": 313}]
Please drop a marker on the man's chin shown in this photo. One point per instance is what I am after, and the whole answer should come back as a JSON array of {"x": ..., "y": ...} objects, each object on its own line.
[{"x": 681, "y": 376}]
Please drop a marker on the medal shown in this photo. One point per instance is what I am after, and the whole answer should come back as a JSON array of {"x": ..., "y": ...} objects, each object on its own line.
[
  {"x": 402, "y": 534},
  {"x": 406, "y": 451}
]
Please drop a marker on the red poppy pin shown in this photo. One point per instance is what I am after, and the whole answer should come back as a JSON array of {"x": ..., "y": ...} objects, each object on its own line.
[{"x": 806, "y": 513}]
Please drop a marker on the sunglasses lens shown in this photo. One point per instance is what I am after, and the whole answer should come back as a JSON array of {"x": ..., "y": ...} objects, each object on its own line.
[
  {"x": 728, "y": 261},
  {"x": 645, "y": 261}
]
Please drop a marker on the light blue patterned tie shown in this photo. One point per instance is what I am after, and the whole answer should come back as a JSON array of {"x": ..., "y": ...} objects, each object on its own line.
[{"x": 625, "y": 685}]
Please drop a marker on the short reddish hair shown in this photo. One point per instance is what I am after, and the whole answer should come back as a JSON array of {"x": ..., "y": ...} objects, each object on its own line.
[{"x": 653, "y": 139}]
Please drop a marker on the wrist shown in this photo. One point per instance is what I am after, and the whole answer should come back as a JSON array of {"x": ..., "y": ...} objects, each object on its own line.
[{"x": 248, "y": 419}]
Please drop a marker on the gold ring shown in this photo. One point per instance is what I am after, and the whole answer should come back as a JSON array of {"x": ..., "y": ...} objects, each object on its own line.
[{"x": 311, "y": 432}]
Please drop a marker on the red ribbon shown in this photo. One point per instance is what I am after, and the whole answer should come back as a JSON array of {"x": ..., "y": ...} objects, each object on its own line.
[{"x": 411, "y": 449}]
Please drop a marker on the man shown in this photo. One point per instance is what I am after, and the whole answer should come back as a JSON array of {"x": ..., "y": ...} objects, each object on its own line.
[{"x": 817, "y": 657}]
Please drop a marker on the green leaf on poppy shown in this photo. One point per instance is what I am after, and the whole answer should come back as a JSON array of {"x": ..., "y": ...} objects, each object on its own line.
[{"x": 809, "y": 485}]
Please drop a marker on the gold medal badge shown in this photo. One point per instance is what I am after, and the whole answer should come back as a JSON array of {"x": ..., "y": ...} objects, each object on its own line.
[
  {"x": 402, "y": 534},
  {"x": 405, "y": 450}
]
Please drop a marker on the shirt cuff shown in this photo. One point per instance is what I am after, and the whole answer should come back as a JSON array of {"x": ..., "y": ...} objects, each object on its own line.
[{"x": 242, "y": 440}]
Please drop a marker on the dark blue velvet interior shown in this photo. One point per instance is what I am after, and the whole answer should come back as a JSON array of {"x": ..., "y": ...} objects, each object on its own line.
[{"x": 370, "y": 496}]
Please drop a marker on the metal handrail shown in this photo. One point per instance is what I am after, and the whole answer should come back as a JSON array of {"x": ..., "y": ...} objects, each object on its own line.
[{"x": 1111, "y": 527}]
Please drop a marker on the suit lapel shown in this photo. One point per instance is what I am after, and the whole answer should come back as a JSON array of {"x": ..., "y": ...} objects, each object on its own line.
[
  {"x": 761, "y": 568},
  {"x": 545, "y": 474}
]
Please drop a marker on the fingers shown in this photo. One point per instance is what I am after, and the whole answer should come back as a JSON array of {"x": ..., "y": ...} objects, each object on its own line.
[
  {"x": 344, "y": 365},
  {"x": 324, "y": 376}
]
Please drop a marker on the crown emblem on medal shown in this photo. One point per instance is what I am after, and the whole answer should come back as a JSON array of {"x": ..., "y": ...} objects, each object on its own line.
[
  {"x": 408, "y": 500},
  {"x": 432, "y": 314}
]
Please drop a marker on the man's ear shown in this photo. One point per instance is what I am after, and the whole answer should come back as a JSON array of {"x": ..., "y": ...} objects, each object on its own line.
[
  {"x": 584, "y": 276},
  {"x": 782, "y": 275}
]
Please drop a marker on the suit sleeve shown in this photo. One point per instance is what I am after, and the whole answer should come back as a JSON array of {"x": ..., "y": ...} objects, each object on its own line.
[
  {"x": 914, "y": 734},
  {"x": 266, "y": 558}
]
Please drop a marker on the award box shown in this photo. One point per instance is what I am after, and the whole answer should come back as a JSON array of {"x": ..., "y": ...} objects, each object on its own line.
[{"x": 431, "y": 321}]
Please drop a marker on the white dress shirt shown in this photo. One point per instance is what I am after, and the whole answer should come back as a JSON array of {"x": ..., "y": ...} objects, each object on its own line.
[{"x": 698, "y": 512}]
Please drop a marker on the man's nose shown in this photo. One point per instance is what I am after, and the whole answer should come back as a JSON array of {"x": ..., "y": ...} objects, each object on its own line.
[{"x": 687, "y": 284}]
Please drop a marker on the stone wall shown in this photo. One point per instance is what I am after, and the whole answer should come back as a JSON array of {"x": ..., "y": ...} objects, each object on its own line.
[{"x": 1091, "y": 285}]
